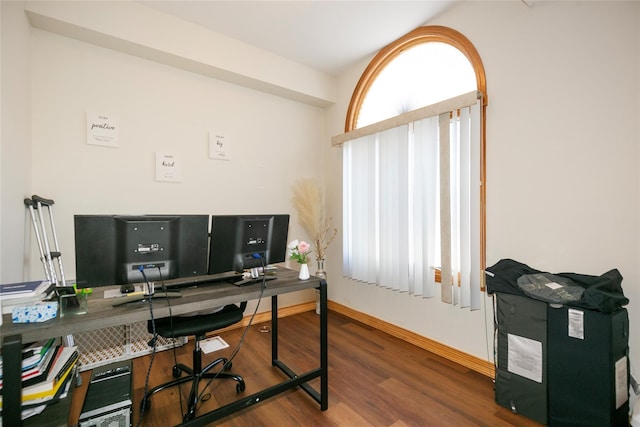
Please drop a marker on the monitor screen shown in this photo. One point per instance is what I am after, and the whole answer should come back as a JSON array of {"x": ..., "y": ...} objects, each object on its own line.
[
  {"x": 240, "y": 242},
  {"x": 112, "y": 249}
]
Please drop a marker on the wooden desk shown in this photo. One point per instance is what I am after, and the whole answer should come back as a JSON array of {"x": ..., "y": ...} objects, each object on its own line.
[{"x": 101, "y": 314}]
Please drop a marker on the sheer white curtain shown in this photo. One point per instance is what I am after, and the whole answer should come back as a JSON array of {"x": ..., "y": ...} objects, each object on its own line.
[
  {"x": 461, "y": 269},
  {"x": 411, "y": 201},
  {"x": 361, "y": 240},
  {"x": 424, "y": 218}
]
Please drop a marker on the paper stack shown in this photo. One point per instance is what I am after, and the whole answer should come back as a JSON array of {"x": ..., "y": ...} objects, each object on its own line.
[
  {"x": 24, "y": 293},
  {"x": 47, "y": 373}
]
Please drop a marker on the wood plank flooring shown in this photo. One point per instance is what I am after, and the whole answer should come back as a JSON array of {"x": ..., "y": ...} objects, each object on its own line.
[{"x": 375, "y": 380}]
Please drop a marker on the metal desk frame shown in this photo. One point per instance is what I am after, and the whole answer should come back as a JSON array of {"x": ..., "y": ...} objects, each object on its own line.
[{"x": 102, "y": 315}]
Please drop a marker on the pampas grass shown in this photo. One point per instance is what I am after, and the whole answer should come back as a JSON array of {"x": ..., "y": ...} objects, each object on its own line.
[{"x": 307, "y": 200}]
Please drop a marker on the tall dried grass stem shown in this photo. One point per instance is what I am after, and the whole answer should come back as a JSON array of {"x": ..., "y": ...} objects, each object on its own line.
[{"x": 308, "y": 202}]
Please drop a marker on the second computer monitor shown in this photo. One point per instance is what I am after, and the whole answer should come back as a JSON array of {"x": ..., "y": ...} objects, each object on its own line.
[{"x": 240, "y": 242}]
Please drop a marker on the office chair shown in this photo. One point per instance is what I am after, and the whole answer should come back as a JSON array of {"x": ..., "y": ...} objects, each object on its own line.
[{"x": 197, "y": 325}]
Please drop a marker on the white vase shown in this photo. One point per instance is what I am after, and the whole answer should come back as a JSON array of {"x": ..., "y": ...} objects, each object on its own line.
[{"x": 304, "y": 272}]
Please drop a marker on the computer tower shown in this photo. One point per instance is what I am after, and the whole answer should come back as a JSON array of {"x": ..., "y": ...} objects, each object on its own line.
[
  {"x": 108, "y": 399},
  {"x": 588, "y": 368},
  {"x": 521, "y": 369}
]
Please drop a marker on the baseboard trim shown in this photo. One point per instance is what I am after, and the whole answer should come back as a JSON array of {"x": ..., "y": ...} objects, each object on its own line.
[
  {"x": 265, "y": 316},
  {"x": 481, "y": 366},
  {"x": 468, "y": 361}
]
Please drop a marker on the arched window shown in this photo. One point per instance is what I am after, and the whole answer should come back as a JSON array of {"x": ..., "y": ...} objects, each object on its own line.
[
  {"x": 434, "y": 64},
  {"x": 413, "y": 158}
]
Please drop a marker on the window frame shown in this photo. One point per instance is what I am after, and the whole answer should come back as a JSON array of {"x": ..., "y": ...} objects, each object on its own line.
[{"x": 427, "y": 34}]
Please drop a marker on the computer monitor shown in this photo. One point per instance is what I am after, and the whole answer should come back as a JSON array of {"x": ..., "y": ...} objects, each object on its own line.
[
  {"x": 112, "y": 249},
  {"x": 240, "y": 242}
]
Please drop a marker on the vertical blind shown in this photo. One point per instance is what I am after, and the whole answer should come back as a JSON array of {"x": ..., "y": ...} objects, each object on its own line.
[{"x": 411, "y": 201}]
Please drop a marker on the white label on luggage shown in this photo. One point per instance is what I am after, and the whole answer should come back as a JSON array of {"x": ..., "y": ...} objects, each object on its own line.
[
  {"x": 553, "y": 285},
  {"x": 525, "y": 357},
  {"x": 576, "y": 323},
  {"x": 622, "y": 385}
]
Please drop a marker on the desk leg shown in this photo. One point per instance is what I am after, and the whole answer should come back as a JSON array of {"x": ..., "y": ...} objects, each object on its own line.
[
  {"x": 274, "y": 329},
  {"x": 295, "y": 380},
  {"x": 12, "y": 380},
  {"x": 324, "y": 344}
]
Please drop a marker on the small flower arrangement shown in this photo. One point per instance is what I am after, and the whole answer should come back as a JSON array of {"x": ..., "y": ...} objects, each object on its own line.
[{"x": 299, "y": 251}]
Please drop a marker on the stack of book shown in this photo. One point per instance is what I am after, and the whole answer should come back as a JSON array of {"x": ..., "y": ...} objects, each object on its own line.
[
  {"x": 24, "y": 293},
  {"x": 47, "y": 374}
]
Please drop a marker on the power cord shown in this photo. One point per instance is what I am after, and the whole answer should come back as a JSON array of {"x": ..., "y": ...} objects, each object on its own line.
[
  {"x": 155, "y": 337},
  {"x": 173, "y": 344},
  {"x": 236, "y": 349},
  {"x": 153, "y": 351},
  {"x": 491, "y": 353},
  {"x": 238, "y": 346}
]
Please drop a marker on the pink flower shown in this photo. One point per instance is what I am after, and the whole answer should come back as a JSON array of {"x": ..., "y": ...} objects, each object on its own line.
[
  {"x": 299, "y": 251},
  {"x": 304, "y": 247}
]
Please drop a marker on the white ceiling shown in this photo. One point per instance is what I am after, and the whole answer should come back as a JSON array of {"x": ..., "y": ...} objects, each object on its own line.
[{"x": 326, "y": 35}]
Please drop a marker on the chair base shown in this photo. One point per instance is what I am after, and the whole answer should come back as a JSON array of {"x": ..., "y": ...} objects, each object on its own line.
[{"x": 194, "y": 377}]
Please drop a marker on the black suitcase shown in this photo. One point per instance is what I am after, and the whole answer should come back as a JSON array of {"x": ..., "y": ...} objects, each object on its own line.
[
  {"x": 588, "y": 368},
  {"x": 521, "y": 370}
]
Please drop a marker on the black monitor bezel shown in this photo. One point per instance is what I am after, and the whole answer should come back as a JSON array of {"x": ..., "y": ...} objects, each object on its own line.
[
  {"x": 228, "y": 248},
  {"x": 101, "y": 253}
]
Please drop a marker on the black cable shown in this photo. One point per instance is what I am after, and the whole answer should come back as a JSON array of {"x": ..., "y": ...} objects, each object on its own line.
[
  {"x": 224, "y": 365},
  {"x": 153, "y": 351},
  {"x": 173, "y": 344},
  {"x": 238, "y": 346},
  {"x": 235, "y": 351}
]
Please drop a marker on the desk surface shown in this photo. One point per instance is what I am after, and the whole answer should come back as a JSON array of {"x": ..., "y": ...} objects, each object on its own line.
[{"x": 101, "y": 313}]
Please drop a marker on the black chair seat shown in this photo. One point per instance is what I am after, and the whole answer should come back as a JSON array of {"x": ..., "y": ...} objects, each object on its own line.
[{"x": 199, "y": 325}]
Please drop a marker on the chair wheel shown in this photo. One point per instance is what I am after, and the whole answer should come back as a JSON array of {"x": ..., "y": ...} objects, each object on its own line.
[
  {"x": 176, "y": 372},
  {"x": 240, "y": 387}
]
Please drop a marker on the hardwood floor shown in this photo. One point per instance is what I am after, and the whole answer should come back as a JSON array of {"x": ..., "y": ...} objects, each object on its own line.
[{"x": 375, "y": 380}]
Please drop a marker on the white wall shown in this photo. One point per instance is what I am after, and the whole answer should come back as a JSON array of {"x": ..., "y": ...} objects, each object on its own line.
[
  {"x": 160, "y": 108},
  {"x": 134, "y": 28},
  {"x": 562, "y": 155},
  {"x": 15, "y": 136}
]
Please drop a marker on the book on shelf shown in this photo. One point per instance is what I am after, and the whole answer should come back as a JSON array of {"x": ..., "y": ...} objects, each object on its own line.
[
  {"x": 54, "y": 409},
  {"x": 65, "y": 359},
  {"x": 51, "y": 412},
  {"x": 45, "y": 390},
  {"x": 34, "y": 358},
  {"x": 40, "y": 372}
]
